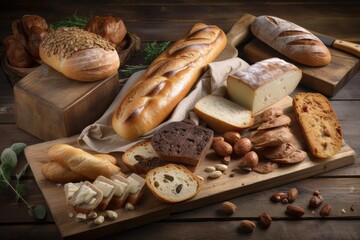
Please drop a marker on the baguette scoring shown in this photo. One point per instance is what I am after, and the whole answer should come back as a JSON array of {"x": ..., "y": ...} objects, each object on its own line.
[
  {"x": 167, "y": 81},
  {"x": 79, "y": 54}
]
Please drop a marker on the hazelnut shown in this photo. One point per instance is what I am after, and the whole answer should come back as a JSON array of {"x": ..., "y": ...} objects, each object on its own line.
[
  {"x": 231, "y": 137},
  {"x": 222, "y": 148},
  {"x": 227, "y": 208},
  {"x": 250, "y": 160},
  {"x": 242, "y": 146}
]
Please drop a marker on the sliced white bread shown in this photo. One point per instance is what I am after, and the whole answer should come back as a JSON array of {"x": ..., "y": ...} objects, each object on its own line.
[
  {"x": 86, "y": 198},
  {"x": 172, "y": 183},
  {"x": 142, "y": 157},
  {"x": 107, "y": 187},
  {"x": 121, "y": 192},
  {"x": 136, "y": 188},
  {"x": 223, "y": 115}
]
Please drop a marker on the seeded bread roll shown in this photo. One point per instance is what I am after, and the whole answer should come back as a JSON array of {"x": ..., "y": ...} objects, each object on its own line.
[
  {"x": 172, "y": 183},
  {"x": 79, "y": 54},
  {"x": 167, "y": 81},
  {"x": 291, "y": 40},
  {"x": 319, "y": 124}
]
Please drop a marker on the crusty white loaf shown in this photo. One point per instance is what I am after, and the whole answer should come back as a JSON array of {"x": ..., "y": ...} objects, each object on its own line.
[
  {"x": 79, "y": 54},
  {"x": 172, "y": 183},
  {"x": 291, "y": 40},
  {"x": 167, "y": 81},
  {"x": 223, "y": 115},
  {"x": 263, "y": 83}
]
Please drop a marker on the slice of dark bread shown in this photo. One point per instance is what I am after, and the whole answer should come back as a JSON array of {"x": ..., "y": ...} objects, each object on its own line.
[
  {"x": 182, "y": 142},
  {"x": 319, "y": 124}
]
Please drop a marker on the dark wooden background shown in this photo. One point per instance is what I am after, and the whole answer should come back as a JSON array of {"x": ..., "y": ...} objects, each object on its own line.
[{"x": 168, "y": 21}]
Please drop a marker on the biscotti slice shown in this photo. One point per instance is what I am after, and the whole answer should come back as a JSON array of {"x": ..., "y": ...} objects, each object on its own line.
[
  {"x": 319, "y": 124},
  {"x": 136, "y": 188},
  {"x": 121, "y": 192},
  {"x": 107, "y": 187},
  {"x": 263, "y": 83},
  {"x": 86, "y": 198},
  {"x": 172, "y": 183},
  {"x": 223, "y": 115},
  {"x": 142, "y": 157},
  {"x": 182, "y": 142}
]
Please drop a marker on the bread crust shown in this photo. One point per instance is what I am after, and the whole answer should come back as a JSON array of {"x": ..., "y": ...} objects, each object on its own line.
[
  {"x": 319, "y": 124},
  {"x": 291, "y": 40},
  {"x": 167, "y": 81},
  {"x": 90, "y": 62}
]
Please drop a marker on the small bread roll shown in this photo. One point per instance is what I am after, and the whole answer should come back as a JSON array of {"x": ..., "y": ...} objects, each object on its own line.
[{"x": 79, "y": 54}]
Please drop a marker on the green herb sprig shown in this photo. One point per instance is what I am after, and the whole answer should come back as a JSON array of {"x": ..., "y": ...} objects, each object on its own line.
[
  {"x": 8, "y": 163},
  {"x": 151, "y": 51},
  {"x": 73, "y": 21}
]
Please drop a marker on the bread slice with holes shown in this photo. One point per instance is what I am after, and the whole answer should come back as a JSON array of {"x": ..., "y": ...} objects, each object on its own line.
[
  {"x": 222, "y": 114},
  {"x": 172, "y": 183},
  {"x": 142, "y": 157},
  {"x": 319, "y": 124}
]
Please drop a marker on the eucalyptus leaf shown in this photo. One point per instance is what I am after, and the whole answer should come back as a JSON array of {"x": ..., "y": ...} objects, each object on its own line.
[
  {"x": 18, "y": 147},
  {"x": 6, "y": 170},
  {"x": 8, "y": 156},
  {"x": 39, "y": 212}
]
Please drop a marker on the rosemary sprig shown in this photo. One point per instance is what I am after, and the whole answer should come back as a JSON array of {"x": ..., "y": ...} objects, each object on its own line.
[
  {"x": 73, "y": 21},
  {"x": 151, "y": 51}
]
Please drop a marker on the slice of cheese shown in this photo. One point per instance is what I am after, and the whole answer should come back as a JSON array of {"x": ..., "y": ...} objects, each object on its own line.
[
  {"x": 263, "y": 83},
  {"x": 85, "y": 195},
  {"x": 104, "y": 187}
]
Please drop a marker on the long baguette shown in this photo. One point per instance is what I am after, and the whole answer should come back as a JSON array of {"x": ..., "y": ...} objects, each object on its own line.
[
  {"x": 291, "y": 40},
  {"x": 81, "y": 162},
  {"x": 167, "y": 81}
]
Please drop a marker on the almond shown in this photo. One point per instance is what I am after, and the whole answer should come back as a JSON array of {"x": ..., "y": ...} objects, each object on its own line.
[
  {"x": 265, "y": 220},
  {"x": 293, "y": 194},
  {"x": 227, "y": 208},
  {"x": 325, "y": 210},
  {"x": 222, "y": 148},
  {"x": 247, "y": 226},
  {"x": 295, "y": 211}
]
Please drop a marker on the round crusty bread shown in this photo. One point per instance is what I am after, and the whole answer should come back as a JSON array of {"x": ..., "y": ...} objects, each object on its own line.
[
  {"x": 172, "y": 183},
  {"x": 79, "y": 54},
  {"x": 167, "y": 81}
]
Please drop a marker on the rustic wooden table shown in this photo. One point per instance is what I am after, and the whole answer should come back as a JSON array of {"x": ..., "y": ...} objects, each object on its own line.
[{"x": 164, "y": 21}]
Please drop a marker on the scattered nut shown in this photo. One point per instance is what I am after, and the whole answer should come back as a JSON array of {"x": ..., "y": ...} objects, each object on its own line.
[
  {"x": 222, "y": 148},
  {"x": 293, "y": 194},
  {"x": 247, "y": 226},
  {"x": 99, "y": 220},
  {"x": 92, "y": 215},
  {"x": 295, "y": 211},
  {"x": 242, "y": 146},
  {"x": 210, "y": 169},
  {"x": 215, "y": 174},
  {"x": 111, "y": 214},
  {"x": 200, "y": 177},
  {"x": 221, "y": 167},
  {"x": 227, "y": 208},
  {"x": 129, "y": 207},
  {"x": 250, "y": 160},
  {"x": 315, "y": 201},
  {"x": 325, "y": 210},
  {"x": 226, "y": 160},
  {"x": 218, "y": 138},
  {"x": 231, "y": 137},
  {"x": 265, "y": 220},
  {"x": 316, "y": 193},
  {"x": 278, "y": 196},
  {"x": 81, "y": 216}
]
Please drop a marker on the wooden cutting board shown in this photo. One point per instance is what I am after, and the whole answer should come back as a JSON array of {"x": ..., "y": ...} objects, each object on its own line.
[
  {"x": 149, "y": 209},
  {"x": 327, "y": 80}
]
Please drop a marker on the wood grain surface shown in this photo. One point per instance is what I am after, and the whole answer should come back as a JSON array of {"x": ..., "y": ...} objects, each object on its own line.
[
  {"x": 160, "y": 20},
  {"x": 149, "y": 209}
]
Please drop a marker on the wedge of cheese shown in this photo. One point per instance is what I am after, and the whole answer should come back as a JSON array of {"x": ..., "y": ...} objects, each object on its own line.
[{"x": 263, "y": 83}]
